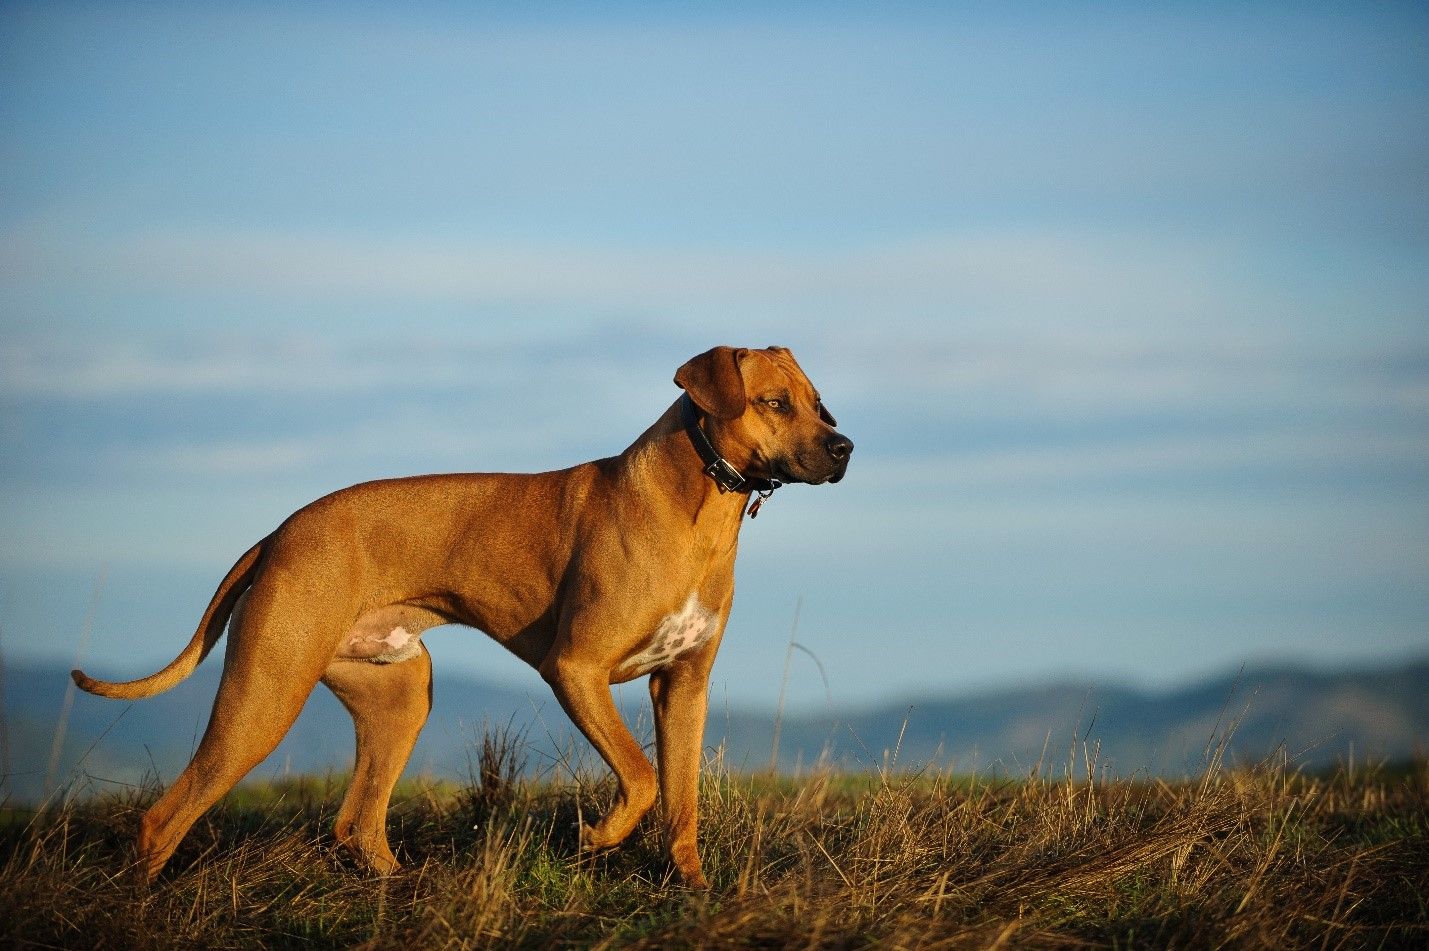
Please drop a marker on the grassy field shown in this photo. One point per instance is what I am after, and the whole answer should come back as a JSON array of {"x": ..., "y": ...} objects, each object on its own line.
[{"x": 1257, "y": 858}]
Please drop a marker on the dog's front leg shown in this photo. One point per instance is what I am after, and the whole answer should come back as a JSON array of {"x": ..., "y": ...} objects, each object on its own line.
[
  {"x": 584, "y": 693},
  {"x": 679, "y": 694}
]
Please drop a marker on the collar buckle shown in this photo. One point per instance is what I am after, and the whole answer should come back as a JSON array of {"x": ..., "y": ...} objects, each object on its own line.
[{"x": 726, "y": 476}]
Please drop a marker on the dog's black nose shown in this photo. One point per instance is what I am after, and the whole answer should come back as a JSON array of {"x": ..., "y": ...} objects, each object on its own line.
[{"x": 839, "y": 446}]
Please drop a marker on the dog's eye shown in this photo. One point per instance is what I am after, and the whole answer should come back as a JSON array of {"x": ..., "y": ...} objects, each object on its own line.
[{"x": 775, "y": 403}]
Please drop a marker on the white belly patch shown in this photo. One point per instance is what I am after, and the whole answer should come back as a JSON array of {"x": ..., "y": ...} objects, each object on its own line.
[
  {"x": 379, "y": 639},
  {"x": 684, "y": 630},
  {"x": 401, "y": 644}
]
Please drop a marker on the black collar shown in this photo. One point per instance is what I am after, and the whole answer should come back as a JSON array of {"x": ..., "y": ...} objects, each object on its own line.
[{"x": 717, "y": 467}]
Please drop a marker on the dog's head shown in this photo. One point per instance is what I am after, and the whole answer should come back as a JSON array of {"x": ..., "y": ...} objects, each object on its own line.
[{"x": 765, "y": 413}]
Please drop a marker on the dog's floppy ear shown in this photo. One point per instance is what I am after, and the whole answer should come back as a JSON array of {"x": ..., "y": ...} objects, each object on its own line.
[
  {"x": 714, "y": 382},
  {"x": 825, "y": 415}
]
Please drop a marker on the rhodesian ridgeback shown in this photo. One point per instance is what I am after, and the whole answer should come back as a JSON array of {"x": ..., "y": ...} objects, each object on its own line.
[{"x": 594, "y": 575}]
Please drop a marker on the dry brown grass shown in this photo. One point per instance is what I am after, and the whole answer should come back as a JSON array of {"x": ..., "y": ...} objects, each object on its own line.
[{"x": 1259, "y": 858}]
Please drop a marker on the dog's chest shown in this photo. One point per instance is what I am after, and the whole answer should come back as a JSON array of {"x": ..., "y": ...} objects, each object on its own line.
[{"x": 680, "y": 631}]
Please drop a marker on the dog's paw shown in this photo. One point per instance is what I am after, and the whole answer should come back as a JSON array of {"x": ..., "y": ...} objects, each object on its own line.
[
  {"x": 694, "y": 880},
  {"x": 687, "y": 867},
  {"x": 598, "y": 839}
]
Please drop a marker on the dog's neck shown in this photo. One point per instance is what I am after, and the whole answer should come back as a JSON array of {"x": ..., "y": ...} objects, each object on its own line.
[
  {"x": 724, "y": 473},
  {"x": 665, "y": 461}
]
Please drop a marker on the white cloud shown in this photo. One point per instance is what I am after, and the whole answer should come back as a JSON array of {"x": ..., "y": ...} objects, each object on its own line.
[
  {"x": 226, "y": 458},
  {"x": 1044, "y": 467},
  {"x": 1092, "y": 374},
  {"x": 1046, "y": 320},
  {"x": 1049, "y": 276},
  {"x": 67, "y": 365}
]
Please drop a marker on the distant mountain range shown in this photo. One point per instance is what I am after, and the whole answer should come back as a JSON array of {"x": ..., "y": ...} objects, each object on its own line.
[{"x": 1316, "y": 718}]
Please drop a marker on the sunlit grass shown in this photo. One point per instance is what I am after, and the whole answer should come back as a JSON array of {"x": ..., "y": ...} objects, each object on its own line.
[{"x": 1264, "y": 857}]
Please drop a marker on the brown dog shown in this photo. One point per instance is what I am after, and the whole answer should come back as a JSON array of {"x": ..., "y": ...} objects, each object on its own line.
[{"x": 593, "y": 575}]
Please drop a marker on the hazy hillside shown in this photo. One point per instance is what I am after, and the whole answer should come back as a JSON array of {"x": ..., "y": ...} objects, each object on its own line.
[{"x": 1319, "y": 717}]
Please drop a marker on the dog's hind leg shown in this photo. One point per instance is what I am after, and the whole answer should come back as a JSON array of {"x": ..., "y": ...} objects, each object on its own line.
[
  {"x": 389, "y": 704},
  {"x": 274, "y": 659}
]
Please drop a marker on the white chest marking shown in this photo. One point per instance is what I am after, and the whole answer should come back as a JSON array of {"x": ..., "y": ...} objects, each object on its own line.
[{"x": 684, "y": 630}]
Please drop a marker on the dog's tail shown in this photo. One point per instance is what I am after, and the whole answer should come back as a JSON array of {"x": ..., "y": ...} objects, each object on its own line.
[{"x": 210, "y": 629}]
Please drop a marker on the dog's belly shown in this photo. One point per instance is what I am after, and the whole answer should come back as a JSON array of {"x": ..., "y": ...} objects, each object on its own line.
[
  {"x": 685, "y": 629},
  {"x": 386, "y": 635}
]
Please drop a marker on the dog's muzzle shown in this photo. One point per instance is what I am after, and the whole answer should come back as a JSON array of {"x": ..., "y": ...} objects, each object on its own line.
[{"x": 816, "y": 464}]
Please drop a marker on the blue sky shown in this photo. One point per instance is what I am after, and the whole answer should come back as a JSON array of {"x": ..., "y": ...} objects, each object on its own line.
[{"x": 1126, "y": 309}]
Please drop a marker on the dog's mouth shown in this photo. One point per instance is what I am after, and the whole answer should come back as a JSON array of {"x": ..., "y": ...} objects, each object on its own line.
[{"x": 797, "y": 470}]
